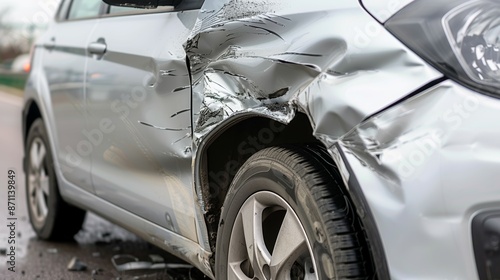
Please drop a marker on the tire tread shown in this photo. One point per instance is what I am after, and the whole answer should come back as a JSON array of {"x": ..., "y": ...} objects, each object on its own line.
[{"x": 351, "y": 260}]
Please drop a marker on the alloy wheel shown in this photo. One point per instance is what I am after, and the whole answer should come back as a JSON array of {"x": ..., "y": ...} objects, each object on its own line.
[
  {"x": 268, "y": 242},
  {"x": 38, "y": 183}
]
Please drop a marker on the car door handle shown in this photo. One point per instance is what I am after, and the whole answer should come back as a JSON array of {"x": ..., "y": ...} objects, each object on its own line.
[
  {"x": 98, "y": 48},
  {"x": 50, "y": 45}
]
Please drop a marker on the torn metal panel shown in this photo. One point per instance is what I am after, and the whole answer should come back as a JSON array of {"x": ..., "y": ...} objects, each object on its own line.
[
  {"x": 282, "y": 56},
  {"x": 163, "y": 128},
  {"x": 282, "y": 60},
  {"x": 414, "y": 164},
  {"x": 354, "y": 88}
]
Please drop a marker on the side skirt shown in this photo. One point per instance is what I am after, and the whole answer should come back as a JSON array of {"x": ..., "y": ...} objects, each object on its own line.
[{"x": 171, "y": 242}]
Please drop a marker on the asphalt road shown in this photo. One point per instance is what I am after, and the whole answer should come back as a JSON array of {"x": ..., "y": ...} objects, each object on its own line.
[{"x": 95, "y": 245}]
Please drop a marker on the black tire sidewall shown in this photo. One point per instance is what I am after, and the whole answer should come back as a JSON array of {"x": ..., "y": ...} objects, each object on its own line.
[
  {"x": 268, "y": 175},
  {"x": 38, "y": 130}
]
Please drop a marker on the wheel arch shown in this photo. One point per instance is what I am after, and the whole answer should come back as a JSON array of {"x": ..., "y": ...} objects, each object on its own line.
[
  {"x": 223, "y": 151},
  {"x": 226, "y": 148},
  {"x": 30, "y": 113}
]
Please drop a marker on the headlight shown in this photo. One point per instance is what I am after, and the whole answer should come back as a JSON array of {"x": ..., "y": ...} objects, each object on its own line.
[{"x": 460, "y": 38}]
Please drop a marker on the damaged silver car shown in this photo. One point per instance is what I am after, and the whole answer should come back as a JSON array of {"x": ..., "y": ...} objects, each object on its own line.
[{"x": 281, "y": 139}]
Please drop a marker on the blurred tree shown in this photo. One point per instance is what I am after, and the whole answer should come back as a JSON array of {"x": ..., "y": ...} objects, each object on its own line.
[{"x": 12, "y": 43}]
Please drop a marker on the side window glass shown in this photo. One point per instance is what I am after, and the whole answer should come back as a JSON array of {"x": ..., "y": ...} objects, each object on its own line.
[
  {"x": 117, "y": 10},
  {"x": 122, "y": 10},
  {"x": 84, "y": 9},
  {"x": 62, "y": 12},
  {"x": 190, "y": 5}
]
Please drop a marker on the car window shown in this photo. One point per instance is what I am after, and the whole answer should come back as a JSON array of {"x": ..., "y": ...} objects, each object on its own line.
[
  {"x": 114, "y": 10},
  {"x": 84, "y": 9},
  {"x": 190, "y": 5},
  {"x": 62, "y": 11},
  {"x": 118, "y": 10}
]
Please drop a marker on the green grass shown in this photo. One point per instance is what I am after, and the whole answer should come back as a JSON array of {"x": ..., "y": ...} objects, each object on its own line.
[{"x": 13, "y": 80}]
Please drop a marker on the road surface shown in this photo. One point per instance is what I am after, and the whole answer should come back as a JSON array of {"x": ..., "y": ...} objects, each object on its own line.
[{"x": 95, "y": 245}]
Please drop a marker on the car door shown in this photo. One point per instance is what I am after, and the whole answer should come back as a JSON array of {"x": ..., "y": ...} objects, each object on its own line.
[
  {"x": 64, "y": 62},
  {"x": 138, "y": 105}
]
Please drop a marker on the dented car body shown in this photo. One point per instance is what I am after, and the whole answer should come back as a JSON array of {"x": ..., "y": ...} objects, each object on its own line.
[{"x": 150, "y": 115}]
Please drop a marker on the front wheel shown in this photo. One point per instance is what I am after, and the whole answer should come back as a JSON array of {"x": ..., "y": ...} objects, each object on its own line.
[{"x": 285, "y": 217}]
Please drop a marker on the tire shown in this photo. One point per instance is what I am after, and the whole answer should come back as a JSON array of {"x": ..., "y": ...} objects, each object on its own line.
[
  {"x": 50, "y": 216},
  {"x": 287, "y": 201}
]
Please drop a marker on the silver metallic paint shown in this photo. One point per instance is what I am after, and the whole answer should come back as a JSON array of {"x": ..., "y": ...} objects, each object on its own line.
[
  {"x": 170, "y": 241},
  {"x": 335, "y": 63},
  {"x": 63, "y": 76},
  {"x": 144, "y": 164},
  {"x": 337, "y": 78},
  {"x": 453, "y": 157},
  {"x": 38, "y": 93},
  {"x": 289, "y": 64}
]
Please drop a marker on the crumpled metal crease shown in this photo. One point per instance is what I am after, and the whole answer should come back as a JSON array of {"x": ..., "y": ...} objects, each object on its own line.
[
  {"x": 249, "y": 59},
  {"x": 428, "y": 163},
  {"x": 283, "y": 60},
  {"x": 280, "y": 59}
]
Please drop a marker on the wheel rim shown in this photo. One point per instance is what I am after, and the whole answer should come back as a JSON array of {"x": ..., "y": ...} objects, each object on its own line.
[
  {"x": 38, "y": 183},
  {"x": 268, "y": 242}
]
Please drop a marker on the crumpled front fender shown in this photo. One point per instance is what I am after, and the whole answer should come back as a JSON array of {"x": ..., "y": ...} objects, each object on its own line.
[{"x": 330, "y": 60}]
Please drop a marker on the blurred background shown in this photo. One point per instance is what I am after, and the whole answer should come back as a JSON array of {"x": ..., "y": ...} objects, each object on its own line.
[{"x": 21, "y": 23}]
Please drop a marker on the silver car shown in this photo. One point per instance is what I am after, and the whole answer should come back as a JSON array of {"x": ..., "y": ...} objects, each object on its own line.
[{"x": 278, "y": 139}]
